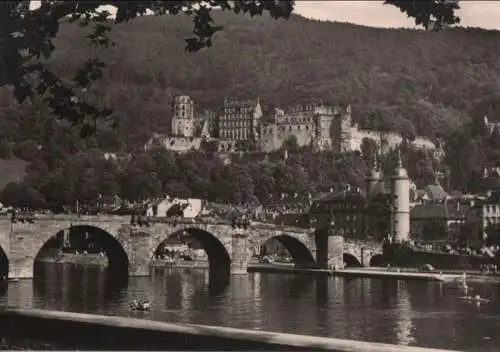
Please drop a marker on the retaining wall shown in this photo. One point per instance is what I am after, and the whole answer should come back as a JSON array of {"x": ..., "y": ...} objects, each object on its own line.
[{"x": 43, "y": 329}]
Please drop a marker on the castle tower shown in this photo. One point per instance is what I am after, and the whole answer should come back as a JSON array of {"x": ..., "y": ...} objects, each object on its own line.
[
  {"x": 342, "y": 135},
  {"x": 401, "y": 203},
  {"x": 373, "y": 177},
  {"x": 183, "y": 116}
]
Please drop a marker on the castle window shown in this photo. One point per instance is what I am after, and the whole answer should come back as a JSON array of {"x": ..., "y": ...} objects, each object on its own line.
[{"x": 307, "y": 127}]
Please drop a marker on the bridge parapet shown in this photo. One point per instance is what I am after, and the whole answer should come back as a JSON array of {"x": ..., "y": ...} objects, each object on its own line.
[{"x": 74, "y": 217}]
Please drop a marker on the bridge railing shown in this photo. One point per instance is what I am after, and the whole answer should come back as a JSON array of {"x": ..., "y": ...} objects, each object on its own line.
[{"x": 157, "y": 220}]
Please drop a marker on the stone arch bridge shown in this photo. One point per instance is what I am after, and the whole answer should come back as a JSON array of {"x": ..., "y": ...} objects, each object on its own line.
[{"x": 131, "y": 247}]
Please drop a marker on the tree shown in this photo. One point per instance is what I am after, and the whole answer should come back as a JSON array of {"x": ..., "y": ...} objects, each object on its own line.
[
  {"x": 27, "y": 40},
  {"x": 433, "y": 14},
  {"x": 369, "y": 150},
  {"x": 26, "y": 150},
  {"x": 291, "y": 144}
]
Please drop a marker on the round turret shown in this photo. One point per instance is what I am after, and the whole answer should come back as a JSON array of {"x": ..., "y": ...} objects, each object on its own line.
[{"x": 401, "y": 203}]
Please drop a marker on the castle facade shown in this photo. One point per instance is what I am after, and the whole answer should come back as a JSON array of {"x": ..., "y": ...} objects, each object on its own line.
[{"x": 242, "y": 126}]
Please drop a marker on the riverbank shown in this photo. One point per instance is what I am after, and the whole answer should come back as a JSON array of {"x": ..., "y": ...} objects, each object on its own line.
[
  {"x": 185, "y": 264},
  {"x": 79, "y": 259},
  {"x": 376, "y": 273},
  {"x": 28, "y": 328}
]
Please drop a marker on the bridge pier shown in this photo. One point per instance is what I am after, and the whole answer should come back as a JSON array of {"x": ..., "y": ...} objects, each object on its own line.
[
  {"x": 329, "y": 249},
  {"x": 240, "y": 252},
  {"x": 22, "y": 252},
  {"x": 366, "y": 255}
]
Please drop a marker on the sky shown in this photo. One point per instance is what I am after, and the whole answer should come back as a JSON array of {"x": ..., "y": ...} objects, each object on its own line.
[{"x": 484, "y": 14}]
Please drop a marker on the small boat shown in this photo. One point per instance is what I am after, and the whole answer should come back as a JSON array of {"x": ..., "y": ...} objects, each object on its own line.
[
  {"x": 140, "y": 305},
  {"x": 13, "y": 280},
  {"x": 475, "y": 298}
]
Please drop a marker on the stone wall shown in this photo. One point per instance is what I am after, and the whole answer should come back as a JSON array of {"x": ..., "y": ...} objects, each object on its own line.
[
  {"x": 43, "y": 329},
  {"x": 131, "y": 248},
  {"x": 178, "y": 144},
  {"x": 441, "y": 261}
]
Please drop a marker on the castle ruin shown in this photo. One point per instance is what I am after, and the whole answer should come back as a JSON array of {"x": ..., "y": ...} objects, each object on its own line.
[{"x": 243, "y": 126}]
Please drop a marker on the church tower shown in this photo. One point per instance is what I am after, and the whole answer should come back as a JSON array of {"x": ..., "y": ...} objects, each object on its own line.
[
  {"x": 183, "y": 117},
  {"x": 401, "y": 203},
  {"x": 373, "y": 177}
]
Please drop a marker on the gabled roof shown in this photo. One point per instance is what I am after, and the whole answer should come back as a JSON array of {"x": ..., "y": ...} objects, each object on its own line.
[
  {"x": 287, "y": 200},
  {"x": 347, "y": 197},
  {"x": 341, "y": 195},
  {"x": 439, "y": 211},
  {"x": 436, "y": 192}
]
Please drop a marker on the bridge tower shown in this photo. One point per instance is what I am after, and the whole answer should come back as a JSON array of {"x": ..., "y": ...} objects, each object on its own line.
[
  {"x": 329, "y": 247},
  {"x": 401, "y": 203}
]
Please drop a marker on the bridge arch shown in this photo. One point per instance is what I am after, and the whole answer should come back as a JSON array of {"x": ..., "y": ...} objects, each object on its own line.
[
  {"x": 377, "y": 260},
  {"x": 351, "y": 260},
  {"x": 118, "y": 260},
  {"x": 4, "y": 264},
  {"x": 297, "y": 249},
  {"x": 217, "y": 254}
]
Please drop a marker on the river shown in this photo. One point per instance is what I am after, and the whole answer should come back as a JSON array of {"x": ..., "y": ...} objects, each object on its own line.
[{"x": 407, "y": 313}]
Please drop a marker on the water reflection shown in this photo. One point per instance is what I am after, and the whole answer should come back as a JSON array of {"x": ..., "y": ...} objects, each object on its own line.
[
  {"x": 409, "y": 313},
  {"x": 404, "y": 323}
]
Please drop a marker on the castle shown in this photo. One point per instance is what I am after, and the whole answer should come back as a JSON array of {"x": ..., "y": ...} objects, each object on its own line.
[{"x": 241, "y": 126}]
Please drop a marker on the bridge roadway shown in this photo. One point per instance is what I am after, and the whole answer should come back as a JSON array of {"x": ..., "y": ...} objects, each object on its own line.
[{"x": 130, "y": 247}]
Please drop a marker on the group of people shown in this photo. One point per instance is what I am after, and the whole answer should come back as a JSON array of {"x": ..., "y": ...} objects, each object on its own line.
[{"x": 488, "y": 268}]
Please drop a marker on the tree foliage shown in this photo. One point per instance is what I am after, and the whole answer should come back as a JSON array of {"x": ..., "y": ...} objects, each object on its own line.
[{"x": 157, "y": 172}]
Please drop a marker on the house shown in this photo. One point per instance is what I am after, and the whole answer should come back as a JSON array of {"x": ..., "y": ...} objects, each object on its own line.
[
  {"x": 159, "y": 207},
  {"x": 484, "y": 218},
  {"x": 186, "y": 208},
  {"x": 192, "y": 208},
  {"x": 287, "y": 209},
  {"x": 430, "y": 193},
  {"x": 438, "y": 220}
]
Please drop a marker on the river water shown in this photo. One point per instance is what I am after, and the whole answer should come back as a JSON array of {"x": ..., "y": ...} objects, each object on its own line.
[{"x": 399, "y": 312}]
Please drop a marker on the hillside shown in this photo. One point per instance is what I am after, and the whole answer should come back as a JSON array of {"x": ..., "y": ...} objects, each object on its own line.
[{"x": 411, "y": 81}]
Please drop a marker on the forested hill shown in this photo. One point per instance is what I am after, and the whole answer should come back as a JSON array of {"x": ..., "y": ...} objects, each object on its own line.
[{"x": 410, "y": 80}]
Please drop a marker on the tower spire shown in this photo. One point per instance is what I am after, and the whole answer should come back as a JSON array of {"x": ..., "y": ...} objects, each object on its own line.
[
  {"x": 376, "y": 161},
  {"x": 400, "y": 161}
]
